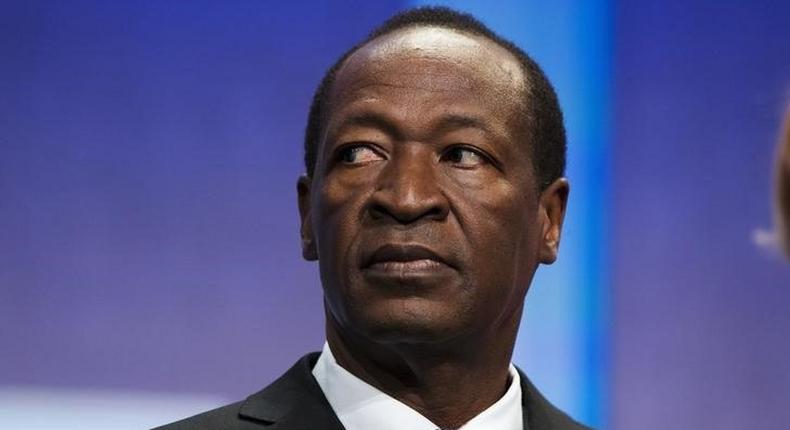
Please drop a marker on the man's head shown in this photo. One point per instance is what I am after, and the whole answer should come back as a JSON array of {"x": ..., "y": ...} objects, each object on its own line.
[
  {"x": 434, "y": 186},
  {"x": 541, "y": 110}
]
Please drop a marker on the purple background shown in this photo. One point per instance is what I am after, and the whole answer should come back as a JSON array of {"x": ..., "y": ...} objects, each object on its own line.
[
  {"x": 701, "y": 329},
  {"x": 149, "y": 163},
  {"x": 148, "y": 228}
]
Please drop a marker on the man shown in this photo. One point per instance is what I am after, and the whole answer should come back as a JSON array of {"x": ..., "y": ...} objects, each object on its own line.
[{"x": 435, "y": 154}]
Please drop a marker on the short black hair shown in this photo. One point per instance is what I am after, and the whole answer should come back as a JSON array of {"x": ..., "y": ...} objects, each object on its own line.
[{"x": 542, "y": 111}]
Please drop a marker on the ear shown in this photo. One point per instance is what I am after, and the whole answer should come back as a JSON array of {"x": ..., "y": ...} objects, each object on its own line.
[
  {"x": 309, "y": 251},
  {"x": 553, "y": 201}
]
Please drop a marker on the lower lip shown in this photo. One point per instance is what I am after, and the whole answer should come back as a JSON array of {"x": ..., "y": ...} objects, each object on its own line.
[{"x": 423, "y": 266}]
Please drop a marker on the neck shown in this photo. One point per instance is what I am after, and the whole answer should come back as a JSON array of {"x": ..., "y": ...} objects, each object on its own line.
[{"x": 448, "y": 383}]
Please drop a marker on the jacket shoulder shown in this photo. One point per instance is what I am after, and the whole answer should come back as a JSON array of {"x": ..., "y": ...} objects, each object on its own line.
[
  {"x": 540, "y": 414},
  {"x": 222, "y": 418},
  {"x": 292, "y": 401}
]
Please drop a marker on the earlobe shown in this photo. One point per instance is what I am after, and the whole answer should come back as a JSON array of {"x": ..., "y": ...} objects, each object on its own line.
[
  {"x": 553, "y": 201},
  {"x": 309, "y": 250}
]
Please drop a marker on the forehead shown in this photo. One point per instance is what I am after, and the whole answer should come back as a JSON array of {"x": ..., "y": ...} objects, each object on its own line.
[{"x": 434, "y": 60}]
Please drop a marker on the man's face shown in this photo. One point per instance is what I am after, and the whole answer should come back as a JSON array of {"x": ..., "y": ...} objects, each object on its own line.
[{"x": 423, "y": 210}]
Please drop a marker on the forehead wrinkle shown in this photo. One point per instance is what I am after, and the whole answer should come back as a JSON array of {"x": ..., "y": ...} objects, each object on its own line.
[
  {"x": 428, "y": 82},
  {"x": 445, "y": 122},
  {"x": 441, "y": 77}
]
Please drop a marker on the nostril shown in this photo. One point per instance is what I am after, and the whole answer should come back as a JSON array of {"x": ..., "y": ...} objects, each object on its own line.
[
  {"x": 377, "y": 211},
  {"x": 407, "y": 210}
]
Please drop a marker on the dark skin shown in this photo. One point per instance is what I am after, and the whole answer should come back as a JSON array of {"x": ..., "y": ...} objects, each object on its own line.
[{"x": 427, "y": 220}]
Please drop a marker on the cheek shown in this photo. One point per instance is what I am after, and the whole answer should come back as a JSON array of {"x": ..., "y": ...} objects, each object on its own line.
[
  {"x": 337, "y": 222},
  {"x": 497, "y": 213},
  {"x": 338, "y": 208},
  {"x": 335, "y": 228},
  {"x": 500, "y": 223}
]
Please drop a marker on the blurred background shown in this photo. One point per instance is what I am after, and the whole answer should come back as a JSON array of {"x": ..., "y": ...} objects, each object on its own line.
[{"x": 149, "y": 252}]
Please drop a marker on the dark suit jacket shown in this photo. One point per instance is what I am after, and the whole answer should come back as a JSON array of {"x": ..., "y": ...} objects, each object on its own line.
[{"x": 296, "y": 402}]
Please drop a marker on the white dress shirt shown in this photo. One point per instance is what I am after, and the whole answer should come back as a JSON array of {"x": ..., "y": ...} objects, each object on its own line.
[{"x": 360, "y": 406}]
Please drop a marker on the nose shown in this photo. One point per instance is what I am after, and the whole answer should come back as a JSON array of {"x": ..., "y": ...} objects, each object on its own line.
[{"x": 407, "y": 189}]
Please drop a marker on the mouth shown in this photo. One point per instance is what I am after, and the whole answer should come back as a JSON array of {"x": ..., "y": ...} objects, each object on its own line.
[{"x": 405, "y": 260}]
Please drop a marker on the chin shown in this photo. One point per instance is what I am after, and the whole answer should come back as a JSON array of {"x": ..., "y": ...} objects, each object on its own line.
[{"x": 410, "y": 321}]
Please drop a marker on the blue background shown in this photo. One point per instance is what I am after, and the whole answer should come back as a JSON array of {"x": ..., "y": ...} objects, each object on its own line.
[{"x": 149, "y": 235}]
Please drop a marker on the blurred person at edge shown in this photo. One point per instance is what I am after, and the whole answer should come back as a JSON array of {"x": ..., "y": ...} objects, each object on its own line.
[{"x": 782, "y": 196}]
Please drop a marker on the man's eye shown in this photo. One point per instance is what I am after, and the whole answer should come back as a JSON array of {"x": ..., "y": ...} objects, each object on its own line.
[
  {"x": 464, "y": 156},
  {"x": 358, "y": 154}
]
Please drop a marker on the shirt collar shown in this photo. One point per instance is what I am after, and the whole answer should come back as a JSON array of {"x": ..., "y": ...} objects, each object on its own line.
[{"x": 360, "y": 406}]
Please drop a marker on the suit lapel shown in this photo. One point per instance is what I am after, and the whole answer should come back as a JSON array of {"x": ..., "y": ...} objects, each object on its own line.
[{"x": 293, "y": 402}]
